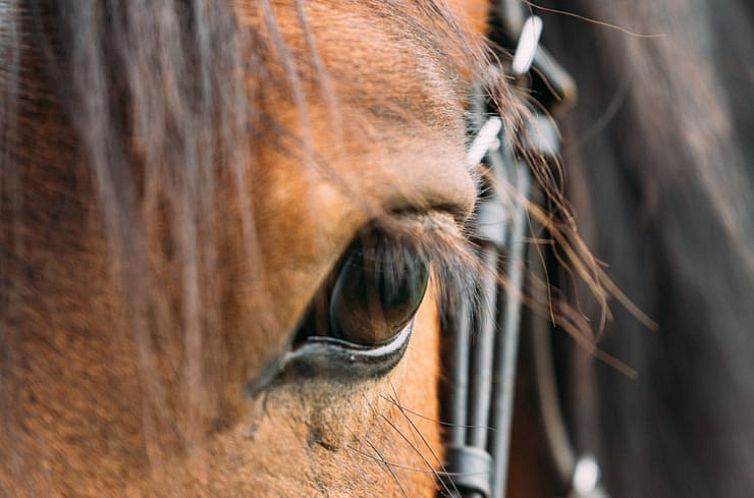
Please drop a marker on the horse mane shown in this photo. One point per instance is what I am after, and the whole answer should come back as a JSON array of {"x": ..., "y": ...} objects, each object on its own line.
[{"x": 659, "y": 174}]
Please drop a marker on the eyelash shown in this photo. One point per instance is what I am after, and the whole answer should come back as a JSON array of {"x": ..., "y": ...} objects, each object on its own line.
[{"x": 403, "y": 244}]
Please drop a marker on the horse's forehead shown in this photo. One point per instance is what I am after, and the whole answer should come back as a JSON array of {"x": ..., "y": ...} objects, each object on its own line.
[
  {"x": 472, "y": 13},
  {"x": 376, "y": 53}
]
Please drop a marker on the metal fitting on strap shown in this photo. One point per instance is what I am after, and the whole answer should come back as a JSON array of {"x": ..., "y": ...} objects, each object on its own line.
[
  {"x": 528, "y": 44},
  {"x": 491, "y": 220},
  {"x": 469, "y": 470},
  {"x": 541, "y": 137},
  {"x": 586, "y": 479}
]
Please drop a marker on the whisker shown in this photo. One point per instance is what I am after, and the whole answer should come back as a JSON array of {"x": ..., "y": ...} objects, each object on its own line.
[
  {"x": 357, "y": 463},
  {"x": 437, "y": 421},
  {"x": 400, "y": 466},
  {"x": 438, "y": 460},
  {"x": 409, "y": 468},
  {"x": 426, "y": 443},
  {"x": 388, "y": 467},
  {"x": 417, "y": 450}
]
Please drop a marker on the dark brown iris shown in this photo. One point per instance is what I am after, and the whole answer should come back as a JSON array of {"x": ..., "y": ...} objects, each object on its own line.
[
  {"x": 371, "y": 296},
  {"x": 374, "y": 299}
]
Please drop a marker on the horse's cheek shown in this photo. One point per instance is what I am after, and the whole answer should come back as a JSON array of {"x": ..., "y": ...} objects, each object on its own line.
[
  {"x": 379, "y": 438},
  {"x": 416, "y": 379}
]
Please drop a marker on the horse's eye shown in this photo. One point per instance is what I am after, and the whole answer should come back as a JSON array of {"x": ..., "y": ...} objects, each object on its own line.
[
  {"x": 359, "y": 323},
  {"x": 373, "y": 299}
]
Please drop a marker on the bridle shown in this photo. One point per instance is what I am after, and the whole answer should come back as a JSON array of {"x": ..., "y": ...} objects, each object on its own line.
[{"x": 485, "y": 339}]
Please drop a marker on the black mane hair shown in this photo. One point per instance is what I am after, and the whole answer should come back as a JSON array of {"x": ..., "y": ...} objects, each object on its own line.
[{"x": 659, "y": 159}]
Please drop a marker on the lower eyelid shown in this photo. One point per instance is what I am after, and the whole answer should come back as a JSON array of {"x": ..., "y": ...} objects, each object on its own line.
[{"x": 333, "y": 359}]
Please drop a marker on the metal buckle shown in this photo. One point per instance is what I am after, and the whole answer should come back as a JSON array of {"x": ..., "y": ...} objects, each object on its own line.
[{"x": 554, "y": 88}]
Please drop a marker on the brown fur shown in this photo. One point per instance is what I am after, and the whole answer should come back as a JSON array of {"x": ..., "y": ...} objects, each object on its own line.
[{"x": 139, "y": 296}]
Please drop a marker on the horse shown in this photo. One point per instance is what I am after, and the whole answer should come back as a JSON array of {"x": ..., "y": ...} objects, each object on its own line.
[{"x": 232, "y": 234}]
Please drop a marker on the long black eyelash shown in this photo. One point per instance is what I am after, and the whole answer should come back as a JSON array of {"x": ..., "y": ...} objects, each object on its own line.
[{"x": 436, "y": 240}]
